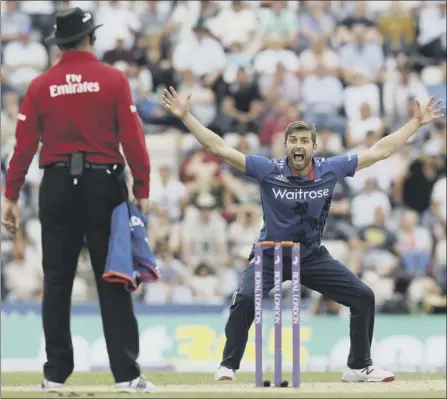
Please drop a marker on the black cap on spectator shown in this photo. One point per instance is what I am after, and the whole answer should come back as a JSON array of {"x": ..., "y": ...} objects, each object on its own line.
[{"x": 71, "y": 25}]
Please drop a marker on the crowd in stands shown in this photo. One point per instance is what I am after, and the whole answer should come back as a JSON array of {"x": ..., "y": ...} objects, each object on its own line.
[{"x": 351, "y": 68}]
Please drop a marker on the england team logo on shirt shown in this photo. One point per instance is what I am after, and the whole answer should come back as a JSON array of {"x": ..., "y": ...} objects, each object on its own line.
[{"x": 282, "y": 178}]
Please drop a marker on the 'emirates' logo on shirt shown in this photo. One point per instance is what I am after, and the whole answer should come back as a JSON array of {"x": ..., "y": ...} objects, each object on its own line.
[{"x": 74, "y": 85}]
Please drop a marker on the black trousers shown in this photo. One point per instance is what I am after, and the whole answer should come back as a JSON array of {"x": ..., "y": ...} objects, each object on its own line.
[
  {"x": 320, "y": 273},
  {"x": 69, "y": 214}
]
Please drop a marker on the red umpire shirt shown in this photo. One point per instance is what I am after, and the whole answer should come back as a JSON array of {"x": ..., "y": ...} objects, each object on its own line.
[{"x": 79, "y": 105}]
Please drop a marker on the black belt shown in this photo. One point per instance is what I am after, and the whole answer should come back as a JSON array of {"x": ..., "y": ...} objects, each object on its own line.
[{"x": 87, "y": 165}]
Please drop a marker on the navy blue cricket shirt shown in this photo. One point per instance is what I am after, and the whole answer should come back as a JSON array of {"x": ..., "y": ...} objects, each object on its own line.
[{"x": 296, "y": 208}]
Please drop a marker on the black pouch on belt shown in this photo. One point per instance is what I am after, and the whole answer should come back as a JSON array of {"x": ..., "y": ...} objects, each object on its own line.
[{"x": 77, "y": 160}]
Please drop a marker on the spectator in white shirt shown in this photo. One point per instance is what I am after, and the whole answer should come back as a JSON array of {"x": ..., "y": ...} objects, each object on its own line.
[
  {"x": 42, "y": 7},
  {"x": 119, "y": 21},
  {"x": 33, "y": 179},
  {"x": 440, "y": 265},
  {"x": 329, "y": 143},
  {"x": 41, "y": 15},
  {"x": 209, "y": 9},
  {"x": 23, "y": 274},
  {"x": 203, "y": 104},
  {"x": 184, "y": 17},
  {"x": 8, "y": 122},
  {"x": 313, "y": 23},
  {"x": 379, "y": 7},
  {"x": 322, "y": 97},
  {"x": 412, "y": 237},
  {"x": 378, "y": 242},
  {"x": 415, "y": 246},
  {"x": 361, "y": 91},
  {"x": 200, "y": 53},
  {"x": 163, "y": 229},
  {"x": 357, "y": 129},
  {"x": 24, "y": 59},
  {"x": 205, "y": 284},
  {"x": 204, "y": 234},
  {"x": 398, "y": 90},
  {"x": 14, "y": 23},
  {"x": 154, "y": 16},
  {"x": 364, "y": 204},
  {"x": 169, "y": 190},
  {"x": 141, "y": 83},
  {"x": 244, "y": 230},
  {"x": 278, "y": 70},
  {"x": 140, "y": 80},
  {"x": 172, "y": 271},
  {"x": 432, "y": 30},
  {"x": 438, "y": 200},
  {"x": 240, "y": 18},
  {"x": 318, "y": 54},
  {"x": 86, "y": 5},
  {"x": 363, "y": 56}
]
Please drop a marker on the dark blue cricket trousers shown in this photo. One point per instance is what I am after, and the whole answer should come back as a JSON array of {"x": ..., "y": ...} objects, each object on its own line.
[{"x": 319, "y": 272}]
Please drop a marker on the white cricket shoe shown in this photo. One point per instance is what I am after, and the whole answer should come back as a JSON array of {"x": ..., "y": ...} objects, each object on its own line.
[
  {"x": 225, "y": 374},
  {"x": 368, "y": 374},
  {"x": 50, "y": 386},
  {"x": 138, "y": 385}
]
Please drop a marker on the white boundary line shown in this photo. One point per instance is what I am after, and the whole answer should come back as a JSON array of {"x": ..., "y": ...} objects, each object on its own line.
[{"x": 316, "y": 387}]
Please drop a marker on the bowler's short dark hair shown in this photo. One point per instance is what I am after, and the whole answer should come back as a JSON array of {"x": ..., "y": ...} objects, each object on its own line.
[{"x": 301, "y": 126}]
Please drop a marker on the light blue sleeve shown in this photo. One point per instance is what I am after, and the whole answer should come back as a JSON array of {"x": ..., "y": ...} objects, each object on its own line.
[
  {"x": 343, "y": 165},
  {"x": 258, "y": 167}
]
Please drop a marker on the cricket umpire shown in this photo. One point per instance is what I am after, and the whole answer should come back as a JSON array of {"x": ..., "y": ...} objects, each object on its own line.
[{"x": 81, "y": 110}]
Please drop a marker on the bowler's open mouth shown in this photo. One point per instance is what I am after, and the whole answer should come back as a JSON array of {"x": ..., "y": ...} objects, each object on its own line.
[{"x": 298, "y": 157}]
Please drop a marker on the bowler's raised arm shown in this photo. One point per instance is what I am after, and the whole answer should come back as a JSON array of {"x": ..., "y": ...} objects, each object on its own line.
[{"x": 213, "y": 143}]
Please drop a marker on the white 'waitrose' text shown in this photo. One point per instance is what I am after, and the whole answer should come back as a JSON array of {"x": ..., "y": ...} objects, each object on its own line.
[{"x": 299, "y": 194}]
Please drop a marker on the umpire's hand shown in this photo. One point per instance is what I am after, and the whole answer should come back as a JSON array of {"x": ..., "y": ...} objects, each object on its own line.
[
  {"x": 143, "y": 205},
  {"x": 11, "y": 216}
]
